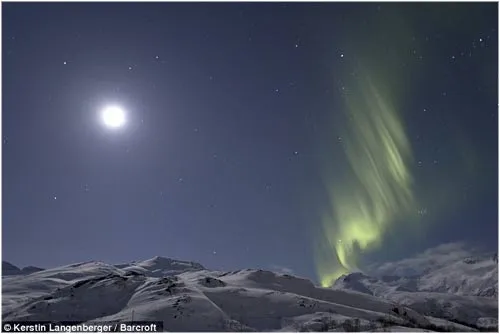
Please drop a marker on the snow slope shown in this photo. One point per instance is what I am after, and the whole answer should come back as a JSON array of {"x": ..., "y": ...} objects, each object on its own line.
[
  {"x": 447, "y": 282},
  {"x": 449, "y": 268},
  {"x": 187, "y": 297}
]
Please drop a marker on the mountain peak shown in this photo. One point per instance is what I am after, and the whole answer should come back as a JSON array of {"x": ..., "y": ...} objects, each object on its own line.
[
  {"x": 8, "y": 269},
  {"x": 159, "y": 266}
]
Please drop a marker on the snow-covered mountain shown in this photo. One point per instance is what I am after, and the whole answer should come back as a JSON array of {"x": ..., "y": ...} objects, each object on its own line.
[
  {"x": 449, "y": 268},
  {"x": 160, "y": 266},
  {"x": 8, "y": 269},
  {"x": 187, "y": 297},
  {"x": 447, "y": 281}
]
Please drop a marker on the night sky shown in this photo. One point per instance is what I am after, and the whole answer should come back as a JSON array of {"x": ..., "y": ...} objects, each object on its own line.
[{"x": 238, "y": 124}]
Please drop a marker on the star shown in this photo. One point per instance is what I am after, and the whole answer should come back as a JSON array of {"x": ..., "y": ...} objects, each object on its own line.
[{"x": 422, "y": 211}]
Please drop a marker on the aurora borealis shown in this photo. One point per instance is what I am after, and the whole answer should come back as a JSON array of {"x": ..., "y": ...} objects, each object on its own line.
[
  {"x": 379, "y": 188},
  {"x": 384, "y": 191}
]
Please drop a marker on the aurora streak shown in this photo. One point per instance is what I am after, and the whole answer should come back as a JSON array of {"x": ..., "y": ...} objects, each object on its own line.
[{"x": 378, "y": 190}]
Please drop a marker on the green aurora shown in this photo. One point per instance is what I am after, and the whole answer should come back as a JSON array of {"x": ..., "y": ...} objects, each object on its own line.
[
  {"x": 379, "y": 190},
  {"x": 379, "y": 194}
]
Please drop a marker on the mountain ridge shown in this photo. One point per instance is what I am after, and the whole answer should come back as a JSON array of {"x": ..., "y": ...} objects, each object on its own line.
[{"x": 186, "y": 296}]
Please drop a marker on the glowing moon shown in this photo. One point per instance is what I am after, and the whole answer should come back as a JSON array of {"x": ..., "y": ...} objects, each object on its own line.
[{"x": 113, "y": 117}]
